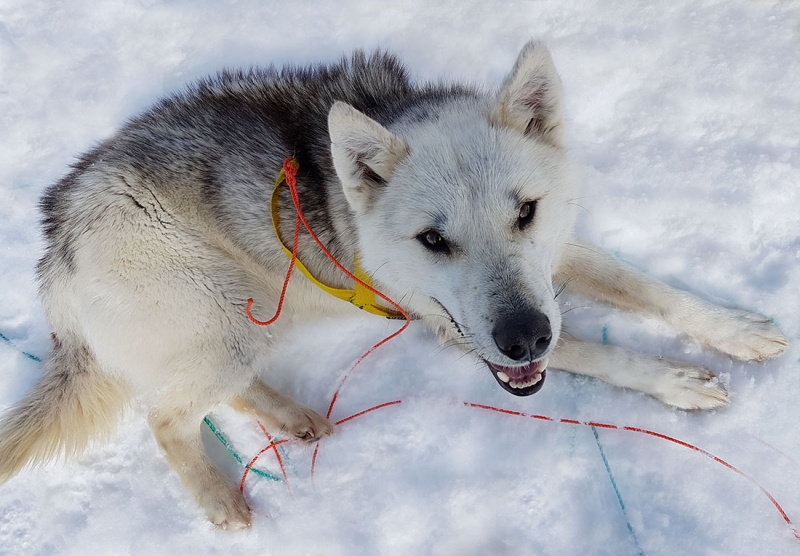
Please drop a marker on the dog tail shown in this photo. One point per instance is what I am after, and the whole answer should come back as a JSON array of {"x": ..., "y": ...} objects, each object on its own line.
[{"x": 74, "y": 402}]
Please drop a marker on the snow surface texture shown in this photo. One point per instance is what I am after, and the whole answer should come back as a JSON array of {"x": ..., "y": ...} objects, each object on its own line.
[{"x": 683, "y": 118}]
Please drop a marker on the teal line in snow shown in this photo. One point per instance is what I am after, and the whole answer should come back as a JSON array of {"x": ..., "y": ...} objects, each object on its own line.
[
  {"x": 572, "y": 440},
  {"x": 286, "y": 459},
  {"x": 235, "y": 454},
  {"x": 616, "y": 491},
  {"x": 25, "y": 353},
  {"x": 611, "y": 475}
]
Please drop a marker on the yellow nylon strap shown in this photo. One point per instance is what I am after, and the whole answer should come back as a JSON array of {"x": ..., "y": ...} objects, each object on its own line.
[{"x": 359, "y": 296}]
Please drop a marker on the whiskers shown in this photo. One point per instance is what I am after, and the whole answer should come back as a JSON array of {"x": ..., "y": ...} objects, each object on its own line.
[
  {"x": 561, "y": 289},
  {"x": 460, "y": 342},
  {"x": 573, "y": 203},
  {"x": 563, "y": 285},
  {"x": 464, "y": 339},
  {"x": 573, "y": 308}
]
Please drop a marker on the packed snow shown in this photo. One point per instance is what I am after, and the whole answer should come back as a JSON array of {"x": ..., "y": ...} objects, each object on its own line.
[{"x": 684, "y": 124}]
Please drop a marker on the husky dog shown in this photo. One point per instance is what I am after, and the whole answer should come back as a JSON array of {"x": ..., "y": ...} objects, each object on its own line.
[{"x": 456, "y": 202}]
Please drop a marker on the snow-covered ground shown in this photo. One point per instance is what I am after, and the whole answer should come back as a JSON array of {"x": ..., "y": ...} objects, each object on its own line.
[{"x": 684, "y": 120}]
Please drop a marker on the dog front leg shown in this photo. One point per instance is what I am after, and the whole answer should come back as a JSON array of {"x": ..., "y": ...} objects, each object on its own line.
[
  {"x": 677, "y": 384},
  {"x": 281, "y": 413},
  {"x": 587, "y": 269}
]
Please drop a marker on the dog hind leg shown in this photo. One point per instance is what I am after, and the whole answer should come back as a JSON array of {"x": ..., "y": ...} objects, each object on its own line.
[
  {"x": 178, "y": 434},
  {"x": 281, "y": 413},
  {"x": 744, "y": 335}
]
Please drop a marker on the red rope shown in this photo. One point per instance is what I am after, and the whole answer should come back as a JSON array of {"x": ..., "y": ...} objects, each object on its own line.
[
  {"x": 291, "y": 172},
  {"x": 291, "y": 181},
  {"x": 274, "y": 445},
  {"x": 360, "y": 413},
  {"x": 255, "y": 459},
  {"x": 277, "y": 456},
  {"x": 285, "y": 283},
  {"x": 656, "y": 435}
]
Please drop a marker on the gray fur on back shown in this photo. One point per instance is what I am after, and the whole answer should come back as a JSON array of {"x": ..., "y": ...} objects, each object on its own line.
[{"x": 225, "y": 138}]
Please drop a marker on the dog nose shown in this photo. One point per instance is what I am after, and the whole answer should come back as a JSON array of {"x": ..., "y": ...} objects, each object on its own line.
[{"x": 523, "y": 336}]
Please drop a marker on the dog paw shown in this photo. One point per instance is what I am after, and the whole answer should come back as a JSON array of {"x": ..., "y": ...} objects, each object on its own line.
[
  {"x": 746, "y": 336},
  {"x": 226, "y": 508},
  {"x": 303, "y": 423},
  {"x": 689, "y": 387}
]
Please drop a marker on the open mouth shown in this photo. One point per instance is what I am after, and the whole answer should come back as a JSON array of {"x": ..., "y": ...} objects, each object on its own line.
[{"x": 523, "y": 380}]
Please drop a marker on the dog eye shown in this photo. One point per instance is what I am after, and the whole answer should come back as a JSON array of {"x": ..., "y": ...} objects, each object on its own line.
[
  {"x": 433, "y": 241},
  {"x": 526, "y": 213}
]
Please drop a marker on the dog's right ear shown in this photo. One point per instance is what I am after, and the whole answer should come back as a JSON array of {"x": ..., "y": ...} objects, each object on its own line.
[{"x": 365, "y": 154}]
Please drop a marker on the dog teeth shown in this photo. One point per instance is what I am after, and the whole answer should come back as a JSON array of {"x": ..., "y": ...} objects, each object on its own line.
[
  {"x": 503, "y": 376},
  {"x": 531, "y": 382}
]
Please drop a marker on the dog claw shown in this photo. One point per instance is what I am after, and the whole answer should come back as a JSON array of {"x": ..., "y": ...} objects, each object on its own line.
[
  {"x": 746, "y": 336},
  {"x": 691, "y": 388}
]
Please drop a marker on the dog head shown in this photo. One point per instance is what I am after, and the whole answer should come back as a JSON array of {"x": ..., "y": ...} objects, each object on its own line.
[{"x": 463, "y": 214}]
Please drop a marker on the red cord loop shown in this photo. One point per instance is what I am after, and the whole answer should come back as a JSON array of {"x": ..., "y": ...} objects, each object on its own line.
[{"x": 290, "y": 169}]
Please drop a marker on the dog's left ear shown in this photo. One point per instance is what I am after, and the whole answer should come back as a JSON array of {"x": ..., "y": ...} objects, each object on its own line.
[
  {"x": 365, "y": 154},
  {"x": 530, "y": 98}
]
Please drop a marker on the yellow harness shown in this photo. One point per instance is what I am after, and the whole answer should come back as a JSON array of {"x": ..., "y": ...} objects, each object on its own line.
[{"x": 359, "y": 296}]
